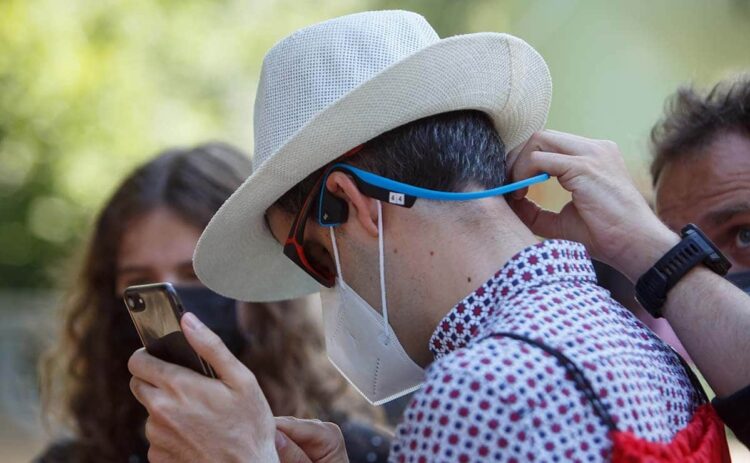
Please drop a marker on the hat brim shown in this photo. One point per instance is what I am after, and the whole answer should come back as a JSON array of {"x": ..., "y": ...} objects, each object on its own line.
[{"x": 495, "y": 73}]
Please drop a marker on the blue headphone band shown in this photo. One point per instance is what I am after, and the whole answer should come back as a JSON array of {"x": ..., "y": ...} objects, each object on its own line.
[{"x": 332, "y": 211}]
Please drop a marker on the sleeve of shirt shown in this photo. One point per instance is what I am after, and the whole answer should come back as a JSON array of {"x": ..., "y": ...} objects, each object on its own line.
[
  {"x": 492, "y": 402},
  {"x": 734, "y": 410}
]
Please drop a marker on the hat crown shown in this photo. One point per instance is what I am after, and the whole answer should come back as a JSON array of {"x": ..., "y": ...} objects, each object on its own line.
[{"x": 312, "y": 68}]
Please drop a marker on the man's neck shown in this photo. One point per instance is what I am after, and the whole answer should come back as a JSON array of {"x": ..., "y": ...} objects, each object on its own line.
[{"x": 469, "y": 250}]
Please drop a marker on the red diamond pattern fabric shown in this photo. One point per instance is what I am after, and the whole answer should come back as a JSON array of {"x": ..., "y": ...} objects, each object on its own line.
[{"x": 499, "y": 399}]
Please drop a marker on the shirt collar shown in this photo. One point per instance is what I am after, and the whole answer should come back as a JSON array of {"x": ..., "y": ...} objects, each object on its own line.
[{"x": 542, "y": 264}]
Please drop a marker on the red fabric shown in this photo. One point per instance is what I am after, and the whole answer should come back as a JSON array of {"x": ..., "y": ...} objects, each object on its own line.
[{"x": 702, "y": 440}]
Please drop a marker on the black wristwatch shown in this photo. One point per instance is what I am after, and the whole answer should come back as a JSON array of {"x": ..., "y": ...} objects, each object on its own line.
[{"x": 695, "y": 248}]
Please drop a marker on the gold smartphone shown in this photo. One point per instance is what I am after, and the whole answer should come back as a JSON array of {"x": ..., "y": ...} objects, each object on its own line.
[{"x": 156, "y": 311}]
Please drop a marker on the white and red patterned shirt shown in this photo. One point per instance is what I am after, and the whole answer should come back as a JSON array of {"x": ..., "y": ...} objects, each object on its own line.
[{"x": 502, "y": 399}]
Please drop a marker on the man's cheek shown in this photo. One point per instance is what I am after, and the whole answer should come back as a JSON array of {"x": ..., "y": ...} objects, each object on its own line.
[{"x": 740, "y": 261}]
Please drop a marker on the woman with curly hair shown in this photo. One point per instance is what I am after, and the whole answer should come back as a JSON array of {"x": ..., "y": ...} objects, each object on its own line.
[{"x": 146, "y": 233}]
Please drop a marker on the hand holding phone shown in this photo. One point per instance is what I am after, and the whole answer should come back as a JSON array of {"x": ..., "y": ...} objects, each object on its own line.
[
  {"x": 189, "y": 416},
  {"x": 156, "y": 311}
]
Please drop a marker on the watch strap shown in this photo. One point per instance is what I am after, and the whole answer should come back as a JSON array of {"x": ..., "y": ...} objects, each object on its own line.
[{"x": 694, "y": 248}]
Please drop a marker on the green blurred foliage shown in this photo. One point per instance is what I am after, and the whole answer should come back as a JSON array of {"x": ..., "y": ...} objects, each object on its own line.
[{"x": 90, "y": 88}]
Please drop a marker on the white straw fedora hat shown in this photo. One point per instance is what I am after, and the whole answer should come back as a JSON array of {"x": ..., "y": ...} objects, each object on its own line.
[{"x": 335, "y": 85}]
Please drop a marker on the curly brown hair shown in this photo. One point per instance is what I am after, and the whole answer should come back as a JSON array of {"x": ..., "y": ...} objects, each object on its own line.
[
  {"x": 85, "y": 377},
  {"x": 693, "y": 118}
]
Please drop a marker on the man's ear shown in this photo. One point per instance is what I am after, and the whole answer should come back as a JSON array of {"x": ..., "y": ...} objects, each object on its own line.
[
  {"x": 361, "y": 208},
  {"x": 512, "y": 156}
]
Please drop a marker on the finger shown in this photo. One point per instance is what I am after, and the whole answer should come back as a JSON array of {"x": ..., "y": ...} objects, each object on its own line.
[
  {"x": 560, "y": 142},
  {"x": 209, "y": 346},
  {"x": 320, "y": 440},
  {"x": 518, "y": 194},
  {"x": 555, "y": 164},
  {"x": 151, "y": 432},
  {"x": 159, "y": 455},
  {"x": 151, "y": 369},
  {"x": 540, "y": 221},
  {"x": 289, "y": 452},
  {"x": 161, "y": 440},
  {"x": 143, "y": 392}
]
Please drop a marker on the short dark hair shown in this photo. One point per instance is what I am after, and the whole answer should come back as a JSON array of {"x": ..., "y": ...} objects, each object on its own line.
[
  {"x": 448, "y": 152},
  {"x": 693, "y": 118}
]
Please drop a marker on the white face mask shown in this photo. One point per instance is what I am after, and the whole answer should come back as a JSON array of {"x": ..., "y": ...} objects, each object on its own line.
[{"x": 360, "y": 342}]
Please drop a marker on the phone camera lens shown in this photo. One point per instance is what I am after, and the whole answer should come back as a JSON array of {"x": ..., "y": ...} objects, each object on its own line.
[{"x": 135, "y": 303}]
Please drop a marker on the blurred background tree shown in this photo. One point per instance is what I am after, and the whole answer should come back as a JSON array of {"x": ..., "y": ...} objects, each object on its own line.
[{"x": 89, "y": 88}]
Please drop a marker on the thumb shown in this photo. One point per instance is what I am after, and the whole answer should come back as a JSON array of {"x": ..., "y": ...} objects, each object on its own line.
[
  {"x": 212, "y": 349},
  {"x": 322, "y": 442},
  {"x": 289, "y": 452},
  {"x": 540, "y": 221}
]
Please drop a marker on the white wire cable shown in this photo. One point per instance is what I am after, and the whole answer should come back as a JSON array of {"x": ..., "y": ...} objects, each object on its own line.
[
  {"x": 381, "y": 263},
  {"x": 336, "y": 253}
]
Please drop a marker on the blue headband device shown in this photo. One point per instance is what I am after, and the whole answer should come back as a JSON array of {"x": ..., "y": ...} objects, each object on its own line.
[{"x": 333, "y": 211}]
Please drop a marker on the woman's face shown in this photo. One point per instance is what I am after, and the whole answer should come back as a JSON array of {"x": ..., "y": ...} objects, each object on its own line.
[{"x": 157, "y": 247}]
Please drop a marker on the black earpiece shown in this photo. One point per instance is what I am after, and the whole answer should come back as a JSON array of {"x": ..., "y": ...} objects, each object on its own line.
[{"x": 332, "y": 210}]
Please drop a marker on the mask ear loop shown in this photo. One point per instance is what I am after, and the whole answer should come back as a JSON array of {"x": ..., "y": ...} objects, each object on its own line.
[
  {"x": 383, "y": 303},
  {"x": 336, "y": 253}
]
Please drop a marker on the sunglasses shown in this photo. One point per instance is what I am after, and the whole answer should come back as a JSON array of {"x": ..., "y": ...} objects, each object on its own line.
[
  {"x": 294, "y": 246},
  {"x": 331, "y": 211}
]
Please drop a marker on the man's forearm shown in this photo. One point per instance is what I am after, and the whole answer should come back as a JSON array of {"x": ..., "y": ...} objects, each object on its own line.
[
  {"x": 712, "y": 319},
  {"x": 709, "y": 314}
]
